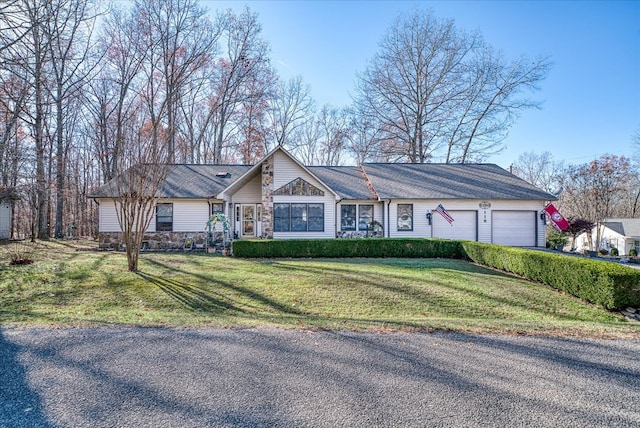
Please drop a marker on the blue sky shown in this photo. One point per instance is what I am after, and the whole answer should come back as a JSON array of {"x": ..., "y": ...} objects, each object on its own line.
[{"x": 591, "y": 98}]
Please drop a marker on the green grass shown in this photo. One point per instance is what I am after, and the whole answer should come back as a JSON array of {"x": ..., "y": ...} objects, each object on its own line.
[{"x": 71, "y": 287}]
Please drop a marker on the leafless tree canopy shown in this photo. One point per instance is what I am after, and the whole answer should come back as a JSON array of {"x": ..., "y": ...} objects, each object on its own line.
[{"x": 438, "y": 93}]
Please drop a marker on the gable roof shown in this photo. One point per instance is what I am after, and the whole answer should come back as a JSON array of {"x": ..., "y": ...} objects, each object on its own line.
[
  {"x": 624, "y": 226},
  {"x": 449, "y": 181},
  {"x": 368, "y": 181},
  {"x": 253, "y": 170},
  {"x": 191, "y": 181}
]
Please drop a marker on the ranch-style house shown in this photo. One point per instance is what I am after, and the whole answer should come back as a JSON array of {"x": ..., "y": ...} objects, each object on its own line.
[{"x": 281, "y": 198}]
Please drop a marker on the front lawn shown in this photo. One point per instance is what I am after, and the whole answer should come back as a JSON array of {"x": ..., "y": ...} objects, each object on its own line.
[{"x": 71, "y": 287}]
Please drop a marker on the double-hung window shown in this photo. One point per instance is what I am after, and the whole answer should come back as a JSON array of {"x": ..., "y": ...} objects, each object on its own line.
[
  {"x": 405, "y": 217},
  {"x": 164, "y": 217}
]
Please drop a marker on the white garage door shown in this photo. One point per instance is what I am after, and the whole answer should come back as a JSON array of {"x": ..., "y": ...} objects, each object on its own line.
[
  {"x": 464, "y": 225},
  {"x": 514, "y": 228}
]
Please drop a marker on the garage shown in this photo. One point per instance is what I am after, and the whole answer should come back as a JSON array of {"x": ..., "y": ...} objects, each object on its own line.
[
  {"x": 464, "y": 226},
  {"x": 514, "y": 228}
]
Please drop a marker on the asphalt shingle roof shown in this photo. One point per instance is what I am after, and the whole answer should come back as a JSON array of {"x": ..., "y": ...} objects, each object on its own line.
[
  {"x": 389, "y": 181},
  {"x": 193, "y": 181},
  {"x": 347, "y": 181},
  {"x": 449, "y": 181}
]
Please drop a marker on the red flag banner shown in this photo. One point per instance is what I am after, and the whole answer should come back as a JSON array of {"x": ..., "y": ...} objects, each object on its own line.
[
  {"x": 444, "y": 213},
  {"x": 557, "y": 220}
]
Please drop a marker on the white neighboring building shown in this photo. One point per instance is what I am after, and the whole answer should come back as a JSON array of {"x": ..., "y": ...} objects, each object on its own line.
[
  {"x": 5, "y": 220},
  {"x": 620, "y": 233},
  {"x": 280, "y": 198}
]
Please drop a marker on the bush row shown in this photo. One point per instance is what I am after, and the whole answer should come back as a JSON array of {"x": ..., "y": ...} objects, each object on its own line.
[
  {"x": 603, "y": 283},
  {"x": 387, "y": 247}
]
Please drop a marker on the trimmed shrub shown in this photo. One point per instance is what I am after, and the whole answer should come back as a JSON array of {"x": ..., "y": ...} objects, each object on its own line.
[
  {"x": 603, "y": 252},
  {"x": 633, "y": 253},
  {"x": 614, "y": 252},
  {"x": 387, "y": 247},
  {"x": 603, "y": 283}
]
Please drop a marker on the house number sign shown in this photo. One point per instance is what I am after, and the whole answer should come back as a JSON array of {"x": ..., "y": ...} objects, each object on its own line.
[{"x": 485, "y": 205}]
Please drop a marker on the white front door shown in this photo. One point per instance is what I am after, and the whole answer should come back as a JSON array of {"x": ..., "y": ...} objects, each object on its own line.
[{"x": 248, "y": 221}]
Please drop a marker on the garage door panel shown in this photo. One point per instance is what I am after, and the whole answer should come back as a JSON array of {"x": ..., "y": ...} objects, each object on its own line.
[
  {"x": 514, "y": 228},
  {"x": 464, "y": 226}
]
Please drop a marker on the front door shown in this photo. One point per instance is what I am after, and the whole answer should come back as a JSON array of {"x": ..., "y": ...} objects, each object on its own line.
[{"x": 248, "y": 220}]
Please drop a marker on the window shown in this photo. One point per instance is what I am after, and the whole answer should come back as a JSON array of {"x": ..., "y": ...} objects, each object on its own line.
[
  {"x": 298, "y": 187},
  {"x": 164, "y": 217},
  {"x": 281, "y": 217},
  {"x": 365, "y": 216},
  {"x": 405, "y": 216},
  {"x": 217, "y": 208},
  {"x": 298, "y": 217},
  {"x": 348, "y": 217}
]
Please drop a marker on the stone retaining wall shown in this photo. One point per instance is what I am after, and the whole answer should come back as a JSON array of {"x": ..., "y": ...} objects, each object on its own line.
[{"x": 157, "y": 240}]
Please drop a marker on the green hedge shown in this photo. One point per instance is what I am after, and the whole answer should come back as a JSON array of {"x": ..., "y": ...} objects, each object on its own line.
[
  {"x": 604, "y": 283},
  {"x": 387, "y": 247}
]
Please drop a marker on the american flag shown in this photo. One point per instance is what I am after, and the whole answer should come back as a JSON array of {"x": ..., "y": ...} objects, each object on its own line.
[{"x": 444, "y": 213}]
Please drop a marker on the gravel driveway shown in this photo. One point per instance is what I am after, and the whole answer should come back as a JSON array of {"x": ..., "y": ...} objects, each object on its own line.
[{"x": 143, "y": 377}]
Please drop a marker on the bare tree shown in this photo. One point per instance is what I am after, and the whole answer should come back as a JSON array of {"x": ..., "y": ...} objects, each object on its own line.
[
  {"x": 365, "y": 135},
  {"x": 136, "y": 190},
  {"x": 434, "y": 88},
  {"x": 540, "y": 170},
  {"x": 180, "y": 40},
  {"x": 13, "y": 25},
  {"x": 69, "y": 29},
  {"x": 290, "y": 107},
  {"x": 590, "y": 191},
  {"x": 244, "y": 60},
  {"x": 30, "y": 58},
  {"x": 333, "y": 123},
  {"x": 490, "y": 103}
]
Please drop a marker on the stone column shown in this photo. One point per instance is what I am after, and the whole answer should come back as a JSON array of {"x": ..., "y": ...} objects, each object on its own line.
[{"x": 267, "y": 198}]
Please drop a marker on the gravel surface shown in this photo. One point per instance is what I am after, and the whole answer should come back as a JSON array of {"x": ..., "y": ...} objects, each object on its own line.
[{"x": 148, "y": 377}]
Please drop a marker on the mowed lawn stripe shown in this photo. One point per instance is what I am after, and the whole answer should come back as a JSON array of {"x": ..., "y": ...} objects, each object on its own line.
[{"x": 78, "y": 288}]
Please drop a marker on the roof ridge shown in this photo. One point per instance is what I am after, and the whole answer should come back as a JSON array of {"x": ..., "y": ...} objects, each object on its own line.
[{"x": 369, "y": 184}]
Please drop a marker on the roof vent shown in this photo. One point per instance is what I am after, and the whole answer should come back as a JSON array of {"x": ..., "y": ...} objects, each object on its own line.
[{"x": 222, "y": 174}]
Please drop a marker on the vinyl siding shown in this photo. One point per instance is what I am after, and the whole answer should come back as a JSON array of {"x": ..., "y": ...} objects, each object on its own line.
[
  {"x": 285, "y": 171},
  {"x": 250, "y": 193},
  {"x": 189, "y": 215},
  {"x": 108, "y": 218},
  {"x": 421, "y": 228}
]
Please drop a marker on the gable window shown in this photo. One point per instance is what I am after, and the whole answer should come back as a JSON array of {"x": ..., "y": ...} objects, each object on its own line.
[
  {"x": 164, "y": 217},
  {"x": 365, "y": 216},
  {"x": 298, "y": 217},
  {"x": 298, "y": 187},
  {"x": 405, "y": 217},
  {"x": 348, "y": 217}
]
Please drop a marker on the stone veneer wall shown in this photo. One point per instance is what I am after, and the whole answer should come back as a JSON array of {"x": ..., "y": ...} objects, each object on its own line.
[
  {"x": 267, "y": 198},
  {"x": 155, "y": 240}
]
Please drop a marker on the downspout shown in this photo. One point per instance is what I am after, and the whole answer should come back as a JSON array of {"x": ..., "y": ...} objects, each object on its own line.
[
  {"x": 383, "y": 217},
  {"x": 335, "y": 219},
  {"x": 389, "y": 219}
]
